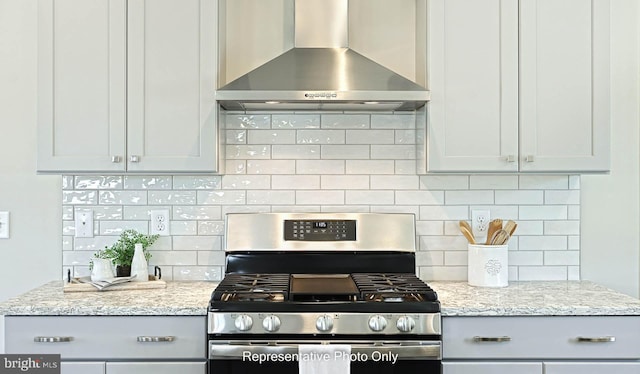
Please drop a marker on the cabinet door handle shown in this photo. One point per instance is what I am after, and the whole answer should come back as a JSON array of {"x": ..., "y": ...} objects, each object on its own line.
[
  {"x": 510, "y": 158},
  {"x": 155, "y": 339},
  {"x": 52, "y": 339},
  {"x": 134, "y": 159},
  {"x": 116, "y": 159},
  {"x": 597, "y": 339},
  {"x": 495, "y": 339},
  {"x": 530, "y": 158}
]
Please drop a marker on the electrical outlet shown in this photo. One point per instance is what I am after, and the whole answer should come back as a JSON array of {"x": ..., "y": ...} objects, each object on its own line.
[
  {"x": 480, "y": 223},
  {"x": 84, "y": 224},
  {"x": 4, "y": 225},
  {"x": 160, "y": 222}
]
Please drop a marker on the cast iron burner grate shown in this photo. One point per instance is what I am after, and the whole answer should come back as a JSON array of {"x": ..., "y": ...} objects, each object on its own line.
[
  {"x": 253, "y": 287},
  {"x": 393, "y": 287}
]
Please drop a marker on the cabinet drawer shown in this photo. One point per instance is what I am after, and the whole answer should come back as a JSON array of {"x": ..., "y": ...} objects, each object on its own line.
[
  {"x": 108, "y": 337},
  {"x": 541, "y": 337}
]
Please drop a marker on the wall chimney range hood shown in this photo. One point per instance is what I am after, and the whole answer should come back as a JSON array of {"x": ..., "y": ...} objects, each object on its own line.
[{"x": 322, "y": 69}]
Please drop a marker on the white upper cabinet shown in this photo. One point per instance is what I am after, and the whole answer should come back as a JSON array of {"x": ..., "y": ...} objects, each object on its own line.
[
  {"x": 473, "y": 79},
  {"x": 564, "y": 85},
  {"x": 127, "y": 86},
  {"x": 518, "y": 86}
]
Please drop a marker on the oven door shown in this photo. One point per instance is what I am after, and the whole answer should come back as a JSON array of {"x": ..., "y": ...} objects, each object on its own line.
[{"x": 370, "y": 357}]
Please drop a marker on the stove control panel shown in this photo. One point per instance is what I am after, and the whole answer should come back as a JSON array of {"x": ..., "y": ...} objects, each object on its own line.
[
  {"x": 324, "y": 323},
  {"x": 320, "y": 230}
]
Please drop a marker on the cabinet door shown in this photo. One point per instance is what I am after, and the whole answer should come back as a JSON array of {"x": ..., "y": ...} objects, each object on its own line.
[
  {"x": 591, "y": 367},
  {"x": 473, "y": 79},
  {"x": 171, "y": 80},
  {"x": 81, "y": 85},
  {"x": 492, "y": 367},
  {"x": 82, "y": 367},
  {"x": 564, "y": 85},
  {"x": 156, "y": 367}
]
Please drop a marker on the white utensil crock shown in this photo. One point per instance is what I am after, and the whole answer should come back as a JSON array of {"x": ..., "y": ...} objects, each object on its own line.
[{"x": 488, "y": 265}]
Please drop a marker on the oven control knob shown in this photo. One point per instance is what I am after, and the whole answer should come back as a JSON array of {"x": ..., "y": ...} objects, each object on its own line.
[
  {"x": 271, "y": 323},
  {"x": 324, "y": 323},
  {"x": 377, "y": 323},
  {"x": 243, "y": 322},
  {"x": 405, "y": 324}
]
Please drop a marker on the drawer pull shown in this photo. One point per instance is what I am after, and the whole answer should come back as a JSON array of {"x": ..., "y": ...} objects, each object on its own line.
[
  {"x": 495, "y": 339},
  {"x": 53, "y": 339},
  {"x": 599, "y": 339},
  {"x": 155, "y": 339}
]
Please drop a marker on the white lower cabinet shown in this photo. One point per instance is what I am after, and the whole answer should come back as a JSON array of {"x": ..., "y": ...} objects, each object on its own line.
[
  {"x": 156, "y": 367},
  {"x": 113, "y": 344},
  {"x": 492, "y": 367},
  {"x": 541, "y": 344},
  {"x": 82, "y": 367}
]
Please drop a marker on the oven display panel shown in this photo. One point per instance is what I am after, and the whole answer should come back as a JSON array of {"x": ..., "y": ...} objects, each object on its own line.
[{"x": 320, "y": 230}]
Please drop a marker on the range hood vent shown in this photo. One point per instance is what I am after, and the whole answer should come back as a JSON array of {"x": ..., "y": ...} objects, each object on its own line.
[{"x": 321, "y": 72}]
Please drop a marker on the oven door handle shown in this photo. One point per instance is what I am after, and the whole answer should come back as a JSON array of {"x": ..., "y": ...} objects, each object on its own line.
[{"x": 423, "y": 350}]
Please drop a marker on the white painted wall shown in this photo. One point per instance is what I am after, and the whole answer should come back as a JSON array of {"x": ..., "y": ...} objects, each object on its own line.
[
  {"x": 32, "y": 254},
  {"x": 610, "y": 203}
]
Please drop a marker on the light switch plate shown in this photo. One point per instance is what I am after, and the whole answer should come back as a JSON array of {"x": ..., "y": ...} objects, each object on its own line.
[
  {"x": 4, "y": 225},
  {"x": 84, "y": 224}
]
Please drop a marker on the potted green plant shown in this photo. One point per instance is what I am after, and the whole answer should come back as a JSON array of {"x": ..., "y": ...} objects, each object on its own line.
[{"x": 121, "y": 252}]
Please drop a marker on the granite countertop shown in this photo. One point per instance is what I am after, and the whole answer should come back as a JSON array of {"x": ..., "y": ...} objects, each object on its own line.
[
  {"x": 549, "y": 298},
  {"x": 179, "y": 298},
  {"x": 457, "y": 299}
]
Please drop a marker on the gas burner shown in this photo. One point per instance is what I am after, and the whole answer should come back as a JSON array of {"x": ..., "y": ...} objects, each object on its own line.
[
  {"x": 393, "y": 287},
  {"x": 253, "y": 287}
]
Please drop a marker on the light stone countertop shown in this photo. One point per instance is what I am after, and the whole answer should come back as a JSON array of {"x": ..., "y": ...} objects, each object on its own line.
[
  {"x": 457, "y": 299},
  {"x": 550, "y": 298}
]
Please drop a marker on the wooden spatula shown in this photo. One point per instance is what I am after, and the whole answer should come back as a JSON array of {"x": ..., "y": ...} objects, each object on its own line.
[{"x": 494, "y": 226}]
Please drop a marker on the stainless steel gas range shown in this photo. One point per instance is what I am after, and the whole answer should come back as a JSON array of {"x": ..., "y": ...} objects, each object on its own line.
[{"x": 295, "y": 281}]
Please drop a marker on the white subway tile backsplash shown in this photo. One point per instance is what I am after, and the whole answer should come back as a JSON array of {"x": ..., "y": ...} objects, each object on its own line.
[
  {"x": 135, "y": 182},
  {"x": 493, "y": 182},
  {"x": 369, "y": 197},
  {"x": 242, "y": 121},
  {"x": 171, "y": 197},
  {"x": 300, "y": 121},
  {"x": 558, "y": 212},
  {"x": 345, "y": 121},
  {"x": 246, "y": 182},
  {"x": 273, "y": 197},
  {"x": 322, "y": 197},
  {"x": 319, "y": 167},
  {"x": 344, "y": 182},
  {"x": 296, "y": 182},
  {"x": 181, "y": 182},
  {"x": 321, "y": 137},
  {"x": 328, "y": 162},
  {"x": 395, "y": 182},
  {"x": 122, "y": 197},
  {"x": 468, "y": 197},
  {"x": 370, "y": 137},
  {"x": 295, "y": 152},
  {"x": 370, "y": 167},
  {"x": 343, "y": 152},
  {"x": 393, "y": 152},
  {"x": 271, "y": 167},
  {"x": 88, "y": 182},
  {"x": 444, "y": 182},
  {"x": 271, "y": 136},
  {"x": 419, "y": 197}
]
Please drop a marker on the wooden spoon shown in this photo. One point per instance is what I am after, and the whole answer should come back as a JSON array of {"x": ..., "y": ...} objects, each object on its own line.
[
  {"x": 465, "y": 228},
  {"x": 494, "y": 226},
  {"x": 500, "y": 237},
  {"x": 510, "y": 227}
]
